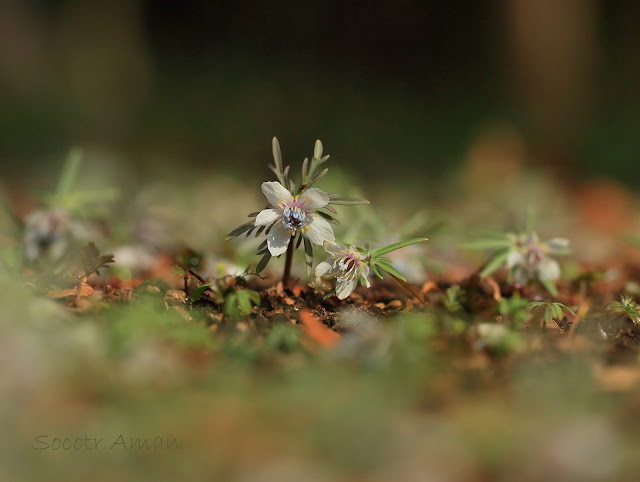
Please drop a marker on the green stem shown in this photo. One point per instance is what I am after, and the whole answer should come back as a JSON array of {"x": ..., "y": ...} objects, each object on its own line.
[{"x": 411, "y": 289}]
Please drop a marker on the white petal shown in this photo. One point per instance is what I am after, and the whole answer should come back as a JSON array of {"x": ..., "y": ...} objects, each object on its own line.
[
  {"x": 267, "y": 216},
  {"x": 323, "y": 268},
  {"x": 531, "y": 238},
  {"x": 514, "y": 258},
  {"x": 278, "y": 240},
  {"x": 365, "y": 275},
  {"x": 548, "y": 269},
  {"x": 333, "y": 248},
  {"x": 319, "y": 231},
  {"x": 275, "y": 192},
  {"x": 345, "y": 288},
  {"x": 558, "y": 245},
  {"x": 520, "y": 275},
  {"x": 314, "y": 198}
]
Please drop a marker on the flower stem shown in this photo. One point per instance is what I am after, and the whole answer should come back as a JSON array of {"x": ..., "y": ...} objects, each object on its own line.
[
  {"x": 411, "y": 289},
  {"x": 287, "y": 264}
]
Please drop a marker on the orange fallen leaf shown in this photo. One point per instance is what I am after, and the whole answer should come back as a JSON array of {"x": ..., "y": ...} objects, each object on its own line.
[
  {"x": 84, "y": 290},
  {"x": 494, "y": 286},
  {"x": 584, "y": 307},
  {"x": 429, "y": 286},
  {"x": 316, "y": 330},
  {"x": 617, "y": 378}
]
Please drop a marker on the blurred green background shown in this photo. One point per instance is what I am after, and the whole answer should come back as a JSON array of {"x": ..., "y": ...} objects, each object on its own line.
[{"x": 394, "y": 89}]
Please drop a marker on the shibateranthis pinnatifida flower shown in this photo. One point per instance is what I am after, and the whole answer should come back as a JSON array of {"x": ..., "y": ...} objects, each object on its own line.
[
  {"x": 530, "y": 258},
  {"x": 46, "y": 235},
  {"x": 291, "y": 214},
  {"x": 347, "y": 265}
]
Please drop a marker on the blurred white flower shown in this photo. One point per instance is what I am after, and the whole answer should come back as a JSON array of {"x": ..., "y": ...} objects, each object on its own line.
[
  {"x": 292, "y": 213},
  {"x": 46, "y": 234},
  {"x": 346, "y": 265},
  {"x": 530, "y": 258}
]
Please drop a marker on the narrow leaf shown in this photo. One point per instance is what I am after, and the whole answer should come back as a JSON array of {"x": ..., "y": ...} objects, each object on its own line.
[
  {"x": 317, "y": 150},
  {"x": 482, "y": 244},
  {"x": 263, "y": 262},
  {"x": 69, "y": 172},
  {"x": 391, "y": 270},
  {"x": 392, "y": 247},
  {"x": 239, "y": 230},
  {"x": 550, "y": 287},
  {"x": 496, "y": 262},
  {"x": 375, "y": 269},
  {"x": 346, "y": 201},
  {"x": 277, "y": 153},
  {"x": 308, "y": 255}
]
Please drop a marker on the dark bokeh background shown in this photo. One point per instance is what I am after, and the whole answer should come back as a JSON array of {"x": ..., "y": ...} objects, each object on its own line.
[{"x": 391, "y": 87}]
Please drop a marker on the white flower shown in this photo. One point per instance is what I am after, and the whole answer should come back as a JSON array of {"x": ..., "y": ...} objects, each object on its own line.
[
  {"x": 292, "y": 213},
  {"x": 347, "y": 266},
  {"x": 46, "y": 235},
  {"x": 531, "y": 260}
]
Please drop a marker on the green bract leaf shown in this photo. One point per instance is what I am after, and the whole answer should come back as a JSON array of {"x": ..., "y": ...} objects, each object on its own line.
[
  {"x": 69, "y": 172},
  {"x": 263, "y": 262},
  {"x": 393, "y": 247},
  {"x": 550, "y": 287},
  {"x": 328, "y": 217},
  {"x": 329, "y": 295},
  {"x": 482, "y": 244},
  {"x": 347, "y": 201},
  {"x": 240, "y": 229},
  {"x": 389, "y": 269},
  {"x": 494, "y": 263},
  {"x": 376, "y": 270},
  {"x": 308, "y": 255},
  {"x": 277, "y": 153},
  {"x": 317, "y": 150}
]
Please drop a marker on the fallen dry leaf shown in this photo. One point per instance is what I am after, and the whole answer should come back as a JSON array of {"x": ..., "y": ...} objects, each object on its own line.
[
  {"x": 84, "y": 290},
  {"x": 429, "y": 286},
  {"x": 317, "y": 331},
  {"x": 494, "y": 287},
  {"x": 617, "y": 378},
  {"x": 174, "y": 297}
]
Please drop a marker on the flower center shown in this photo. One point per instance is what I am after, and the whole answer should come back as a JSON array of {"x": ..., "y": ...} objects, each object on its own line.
[
  {"x": 534, "y": 254},
  {"x": 349, "y": 263},
  {"x": 293, "y": 217}
]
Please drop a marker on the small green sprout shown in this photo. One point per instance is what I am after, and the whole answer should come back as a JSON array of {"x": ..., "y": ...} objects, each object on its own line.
[
  {"x": 283, "y": 337},
  {"x": 626, "y": 307},
  {"x": 453, "y": 298},
  {"x": 514, "y": 310},
  {"x": 525, "y": 256},
  {"x": 236, "y": 302},
  {"x": 552, "y": 310},
  {"x": 350, "y": 265},
  {"x": 297, "y": 212},
  {"x": 497, "y": 339}
]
